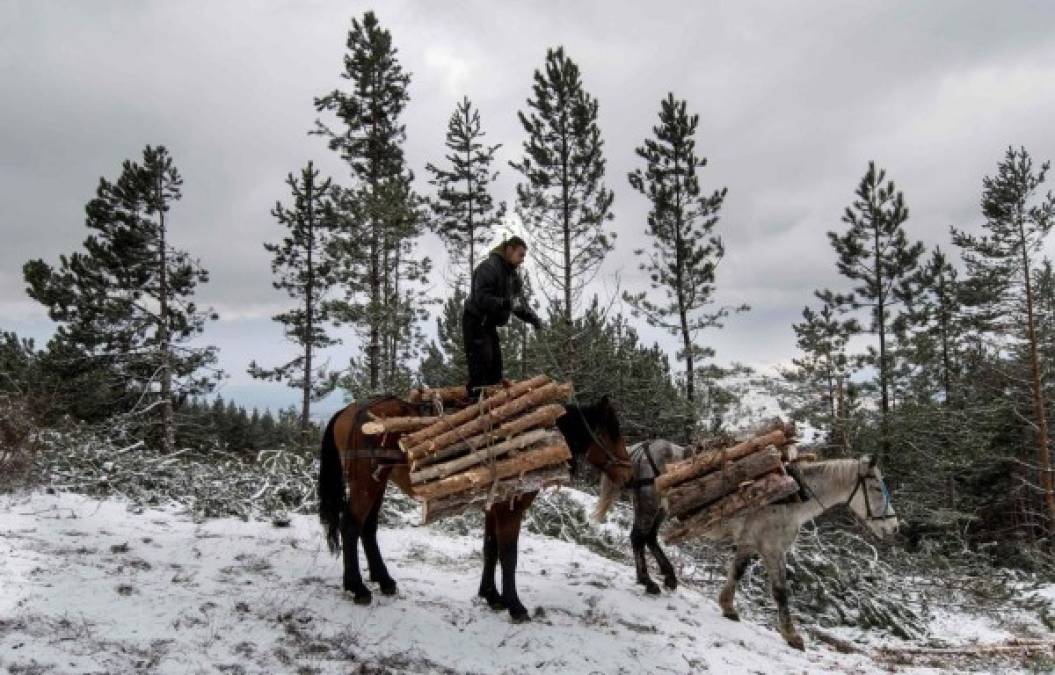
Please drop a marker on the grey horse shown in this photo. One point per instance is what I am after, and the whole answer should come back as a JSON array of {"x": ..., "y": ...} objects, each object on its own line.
[
  {"x": 770, "y": 531},
  {"x": 648, "y": 459}
]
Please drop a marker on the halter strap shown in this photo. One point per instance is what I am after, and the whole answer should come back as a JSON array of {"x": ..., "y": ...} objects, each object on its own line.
[
  {"x": 611, "y": 459},
  {"x": 639, "y": 483},
  {"x": 861, "y": 479}
]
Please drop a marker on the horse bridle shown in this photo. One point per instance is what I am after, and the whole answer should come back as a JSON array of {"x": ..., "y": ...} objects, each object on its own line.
[
  {"x": 610, "y": 458},
  {"x": 862, "y": 479},
  {"x": 862, "y": 482}
]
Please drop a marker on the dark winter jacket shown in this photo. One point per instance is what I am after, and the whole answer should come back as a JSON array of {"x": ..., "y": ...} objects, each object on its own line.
[{"x": 497, "y": 292}]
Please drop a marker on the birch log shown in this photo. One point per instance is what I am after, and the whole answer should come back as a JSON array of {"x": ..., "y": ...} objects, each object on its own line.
[
  {"x": 448, "y": 422},
  {"x": 715, "y": 485},
  {"x": 524, "y": 462},
  {"x": 504, "y": 491},
  {"x": 765, "y": 490},
  {"x": 545, "y": 416},
  {"x": 520, "y": 442},
  {"x": 485, "y": 421},
  {"x": 715, "y": 459}
]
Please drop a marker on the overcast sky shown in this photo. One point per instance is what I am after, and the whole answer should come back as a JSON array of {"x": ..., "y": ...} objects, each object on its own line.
[{"x": 794, "y": 100}]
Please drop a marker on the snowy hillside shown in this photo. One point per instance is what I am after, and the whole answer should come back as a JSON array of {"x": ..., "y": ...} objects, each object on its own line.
[{"x": 96, "y": 586}]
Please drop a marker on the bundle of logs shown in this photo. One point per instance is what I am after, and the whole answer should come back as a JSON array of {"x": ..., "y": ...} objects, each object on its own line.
[
  {"x": 494, "y": 449},
  {"x": 727, "y": 476}
]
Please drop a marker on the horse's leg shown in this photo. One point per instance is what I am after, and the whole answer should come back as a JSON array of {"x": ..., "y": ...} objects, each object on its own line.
[
  {"x": 378, "y": 570},
  {"x": 670, "y": 580},
  {"x": 644, "y": 515},
  {"x": 638, "y": 538},
  {"x": 727, "y": 598},
  {"x": 776, "y": 566},
  {"x": 507, "y": 529},
  {"x": 353, "y": 579},
  {"x": 488, "y": 590}
]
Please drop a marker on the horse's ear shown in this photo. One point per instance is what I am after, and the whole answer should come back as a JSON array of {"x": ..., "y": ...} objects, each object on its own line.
[{"x": 605, "y": 403}]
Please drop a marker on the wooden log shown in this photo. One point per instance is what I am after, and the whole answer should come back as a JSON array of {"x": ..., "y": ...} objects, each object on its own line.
[
  {"x": 489, "y": 419},
  {"x": 761, "y": 429},
  {"x": 448, "y": 422},
  {"x": 545, "y": 416},
  {"x": 487, "y": 453},
  {"x": 711, "y": 461},
  {"x": 483, "y": 475},
  {"x": 765, "y": 490},
  {"x": 391, "y": 425},
  {"x": 504, "y": 491},
  {"x": 715, "y": 485},
  {"x": 445, "y": 394},
  {"x": 452, "y": 394}
]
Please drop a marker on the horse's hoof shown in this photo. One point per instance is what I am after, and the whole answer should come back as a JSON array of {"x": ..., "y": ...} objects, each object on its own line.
[
  {"x": 731, "y": 614},
  {"x": 363, "y": 598},
  {"x": 494, "y": 600},
  {"x": 651, "y": 588},
  {"x": 519, "y": 615},
  {"x": 795, "y": 640},
  {"x": 388, "y": 587},
  {"x": 671, "y": 583}
]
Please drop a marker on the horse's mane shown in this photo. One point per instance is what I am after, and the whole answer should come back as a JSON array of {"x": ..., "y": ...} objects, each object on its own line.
[
  {"x": 578, "y": 420},
  {"x": 831, "y": 470}
]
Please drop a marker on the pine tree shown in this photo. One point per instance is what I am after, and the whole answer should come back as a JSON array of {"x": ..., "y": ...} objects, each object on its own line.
[
  {"x": 563, "y": 202},
  {"x": 379, "y": 216},
  {"x": 876, "y": 252},
  {"x": 610, "y": 359},
  {"x": 126, "y": 301},
  {"x": 685, "y": 250},
  {"x": 445, "y": 364},
  {"x": 822, "y": 373},
  {"x": 464, "y": 212},
  {"x": 1000, "y": 265},
  {"x": 302, "y": 263}
]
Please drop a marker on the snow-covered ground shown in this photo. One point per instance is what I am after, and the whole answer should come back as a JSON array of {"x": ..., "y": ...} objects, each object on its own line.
[{"x": 96, "y": 586}]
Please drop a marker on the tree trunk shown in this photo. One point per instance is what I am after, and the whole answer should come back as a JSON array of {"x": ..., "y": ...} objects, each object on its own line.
[
  {"x": 880, "y": 320},
  {"x": 469, "y": 205},
  {"x": 1039, "y": 406},
  {"x": 542, "y": 417},
  {"x": 565, "y": 210},
  {"x": 712, "y": 461},
  {"x": 309, "y": 317},
  {"x": 168, "y": 427},
  {"x": 713, "y": 486},
  {"x": 550, "y": 393},
  {"x": 768, "y": 489},
  {"x": 523, "y": 463}
]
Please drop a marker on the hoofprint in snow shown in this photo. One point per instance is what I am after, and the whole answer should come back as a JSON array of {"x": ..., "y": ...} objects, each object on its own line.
[{"x": 90, "y": 585}]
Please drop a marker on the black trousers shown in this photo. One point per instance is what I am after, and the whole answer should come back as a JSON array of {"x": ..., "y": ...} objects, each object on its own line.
[{"x": 482, "y": 352}]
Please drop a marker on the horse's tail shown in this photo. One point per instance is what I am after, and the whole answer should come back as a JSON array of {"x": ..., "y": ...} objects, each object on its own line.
[{"x": 331, "y": 488}]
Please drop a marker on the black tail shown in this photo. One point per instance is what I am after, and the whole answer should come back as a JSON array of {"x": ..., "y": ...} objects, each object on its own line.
[{"x": 331, "y": 488}]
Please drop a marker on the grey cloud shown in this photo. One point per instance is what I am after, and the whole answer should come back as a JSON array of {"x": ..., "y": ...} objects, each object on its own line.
[{"x": 794, "y": 99}]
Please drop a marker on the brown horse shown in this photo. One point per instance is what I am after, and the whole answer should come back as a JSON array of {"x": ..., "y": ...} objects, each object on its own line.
[{"x": 365, "y": 464}]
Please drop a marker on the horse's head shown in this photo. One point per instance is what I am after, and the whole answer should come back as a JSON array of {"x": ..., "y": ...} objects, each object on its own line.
[
  {"x": 592, "y": 432},
  {"x": 870, "y": 500}
]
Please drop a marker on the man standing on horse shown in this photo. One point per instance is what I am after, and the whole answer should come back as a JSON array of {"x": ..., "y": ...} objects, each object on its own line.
[{"x": 496, "y": 292}]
